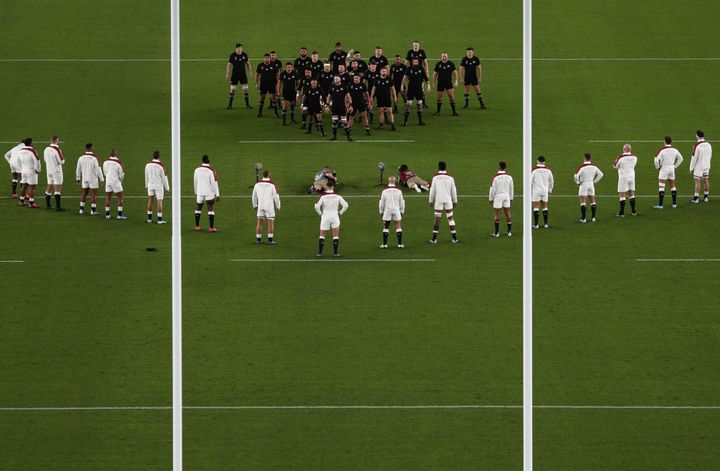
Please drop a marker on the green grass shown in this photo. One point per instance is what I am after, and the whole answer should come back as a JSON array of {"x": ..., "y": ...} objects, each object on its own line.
[
  {"x": 86, "y": 316},
  {"x": 438, "y": 333},
  {"x": 610, "y": 330}
]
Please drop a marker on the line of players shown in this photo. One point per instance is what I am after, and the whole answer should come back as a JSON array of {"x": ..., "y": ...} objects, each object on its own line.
[{"x": 348, "y": 87}]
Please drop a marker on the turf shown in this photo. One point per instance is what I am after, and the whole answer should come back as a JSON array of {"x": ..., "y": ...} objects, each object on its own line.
[
  {"x": 611, "y": 330},
  {"x": 86, "y": 316},
  {"x": 443, "y": 332}
]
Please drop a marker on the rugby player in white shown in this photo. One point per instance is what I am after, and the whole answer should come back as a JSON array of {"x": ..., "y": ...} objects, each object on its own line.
[
  {"x": 207, "y": 191},
  {"x": 586, "y": 176},
  {"x": 54, "y": 161},
  {"x": 88, "y": 175},
  {"x": 700, "y": 167},
  {"x": 625, "y": 164},
  {"x": 443, "y": 198},
  {"x": 11, "y": 157},
  {"x": 156, "y": 182},
  {"x": 541, "y": 186},
  {"x": 666, "y": 161},
  {"x": 114, "y": 171},
  {"x": 392, "y": 207},
  {"x": 266, "y": 200},
  {"x": 501, "y": 194},
  {"x": 330, "y": 206},
  {"x": 30, "y": 167}
]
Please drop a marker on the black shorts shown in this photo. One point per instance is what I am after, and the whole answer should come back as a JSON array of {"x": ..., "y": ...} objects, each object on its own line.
[
  {"x": 239, "y": 79},
  {"x": 267, "y": 88},
  {"x": 383, "y": 101},
  {"x": 398, "y": 86},
  {"x": 359, "y": 108},
  {"x": 469, "y": 81},
  {"x": 289, "y": 95},
  {"x": 415, "y": 94},
  {"x": 314, "y": 109},
  {"x": 338, "y": 110},
  {"x": 443, "y": 86}
]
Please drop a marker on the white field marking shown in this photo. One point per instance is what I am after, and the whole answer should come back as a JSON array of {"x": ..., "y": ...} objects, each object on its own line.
[
  {"x": 311, "y": 260},
  {"x": 18, "y": 142},
  {"x": 12, "y": 261},
  {"x": 327, "y": 141},
  {"x": 314, "y": 195},
  {"x": 499, "y": 59},
  {"x": 659, "y": 141},
  {"x": 358, "y": 407},
  {"x": 677, "y": 259}
]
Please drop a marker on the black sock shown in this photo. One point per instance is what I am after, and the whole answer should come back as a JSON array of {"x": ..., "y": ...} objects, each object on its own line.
[
  {"x": 334, "y": 128},
  {"x": 467, "y": 99},
  {"x": 632, "y": 204},
  {"x": 231, "y": 98},
  {"x": 284, "y": 116},
  {"x": 452, "y": 105},
  {"x": 622, "y": 207},
  {"x": 93, "y": 207},
  {"x": 674, "y": 196},
  {"x": 509, "y": 225},
  {"x": 57, "y": 200},
  {"x": 247, "y": 99},
  {"x": 583, "y": 211},
  {"x": 336, "y": 244},
  {"x": 593, "y": 209},
  {"x": 304, "y": 119},
  {"x": 14, "y": 186},
  {"x": 386, "y": 233},
  {"x": 480, "y": 99},
  {"x": 439, "y": 105},
  {"x": 261, "y": 105},
  {"x": 321, "y": 125},
  {"x": 497, "y": 227},
  {"x": 407, "y": 115},
  {"x": 211, "y": 217},
  {"x": 197, "y": 218},
  {"x": 661, "y": 196},
  {"x": 419, "y": 113},
  {"x": 435, "y": 234},
  {"x": 47, "y": 199},
  {"x": 453, "y": 234},
  {"x": 545, "y": 215},
  {"x": 398, "y": 233},
  {"x": 536, "y": 216},
  {"x": 321, "y": 244}
]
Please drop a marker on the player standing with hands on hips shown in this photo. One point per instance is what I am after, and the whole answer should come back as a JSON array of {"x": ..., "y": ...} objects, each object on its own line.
[
  {"x": 156, "y": 182},
  {"x": 667, "y": 160},
  {"x": 88, "y": 175},
  {"x": 392, "y": 207},
  {"x": 501, "y": 194},
  {"x": 330, "y": 206},
  {"x": 114, "y": 171},
  {"x": 625, "y": 165},
  {"x": 266, "y": 200},
  {"x": 586, "y": 176}
]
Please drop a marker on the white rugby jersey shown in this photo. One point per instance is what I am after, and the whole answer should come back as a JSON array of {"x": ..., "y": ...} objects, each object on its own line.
[
  {"x": 54, "y": 160},
  {"x": 29, "y": 160},
  {"x": 625, "y": 165},
  {"x": 265, "y": 195},
  {"x": 541, "y": 180},
  {"x": 442, "y": 188},
  {"x": 206, "y": 182},
  {"x": 502, "y": 184},
  {"x": 668, "y": 156},
  {"x": 11, "y": 155},
  {"x": 588, "y": 173},
  {"x": 392, "y": 199},
  {"x": 156, "y": 175},
  {"x": 88, "y": 168},
  {"x": 701, "y": 156},
  {"x": 329, "y": 203},
  {"x": 114, "y": 170}
]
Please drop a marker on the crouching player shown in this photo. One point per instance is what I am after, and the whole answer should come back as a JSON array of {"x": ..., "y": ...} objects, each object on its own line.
[
  {"x": 265, "y": 199},
  {"x": 207, "y": 191},
  {"x": 501, "y": 194},
  {"x": 330, "y": 206},
  {"x": 114, "y": 171},
  {"x": 392, "y": 207}
]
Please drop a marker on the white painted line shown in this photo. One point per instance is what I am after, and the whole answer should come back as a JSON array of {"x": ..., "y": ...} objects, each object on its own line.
[
  {"x": 327, "y": 141},
  {"x": 12, "y": 261},
  {"x": 499, "y": 59},
  {"x": 377, "y": 195},
  {"x": 677, "y": 259},
  {"x": 658, "y": 141},
  {"x": 335, "y": 259}
]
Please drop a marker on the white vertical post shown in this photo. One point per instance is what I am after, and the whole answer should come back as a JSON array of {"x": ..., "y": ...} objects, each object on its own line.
[
  {"x": 176, "y": 239},
  {"x": 527, "y": 241}
]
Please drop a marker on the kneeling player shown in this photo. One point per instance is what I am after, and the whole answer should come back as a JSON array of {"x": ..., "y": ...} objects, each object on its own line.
[
  {"x": 501, "y": 194},
  {"x": 443, "y": 198},
  {"x": 392, "y": 207},
  {"x": 207, "y": 191},
  {"x": 114, "y": 171},
  {"x": 340, "y": 103},
  {"x": 359, "y": 97},
  {"x": 330, "y": 206},
  {"x": 265, "y": 199},
  {"x": 586, "y": 176}
]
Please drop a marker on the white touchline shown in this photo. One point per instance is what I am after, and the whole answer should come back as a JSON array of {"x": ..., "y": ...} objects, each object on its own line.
[
  {"x": 12, "y": 261},
  {"x": 677, "y": 259},
  {"x": 314, "y": 195},
  {"x": 509, "y": 59},
  {"x": 333, "y": 260},
  {"x": 659, "y": 141},
  {"x": 362, "y": 141}
]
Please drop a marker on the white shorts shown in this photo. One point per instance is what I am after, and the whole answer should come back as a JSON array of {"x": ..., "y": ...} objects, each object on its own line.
[
  {"x": 667, "y": 173},
  {"x": 200, "y": 199},
  {"x": 443, "y": 206},
  {"x": 266, "y": 213},
  {"x": 586, "y": 189},
  {"x": 158, "y": 193},
  {"x": 113, "y": 187},
  {"x": 92, "y": 184},
  {"x": 501, "y": 201},
  {"x": 29, "y": 178},
  {"x": 329, "y": 222},
  {"x": 55, "y": 178},
  {"x": 626, "y": 184},
  {"x": 537, "y": 197},
  {"x": 700, "y": 173},
  {"x": 392, "y": 215}
]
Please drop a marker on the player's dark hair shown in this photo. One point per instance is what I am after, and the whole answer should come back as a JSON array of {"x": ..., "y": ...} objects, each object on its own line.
[
  {"x": 668, "y": 140},
  {"x": 288, "y": 63},
  {"x": 273, "y": 52},
  {"x": 338, "y": 44},
  {"x": 303, "y": 48},
  {"x": 238, "y": 45},
  {"x": 206, "y": 159},
  {"x": 397, "y": 56},
  {"x": 330, "y": 183},
  {"x": 266, "y": 173},
  {"x": 27, "y": 141},
  {"x": 53, "y": 138},
  {"x": 699, "y": 133},
  {"x": 156, "y": 154},
  {"x": 442, "y": 165},
  {"x": 403, "y": 167},
  {"x": 356, "y": 52},
  {"x": 315, "y": 52},
  {"x": 502, "y": 165},
  {"x": 113, "y": 153},
  {"x": 587, "y": 156},
  {"x": 373, "y": 62},
  {"x": 541, "y": 159},
  {"x": 378, "y": 47},
  {"x": 469, "y": 49},
  {"x": 88, "y": 145},
  {"x": 267, "y": 54}
]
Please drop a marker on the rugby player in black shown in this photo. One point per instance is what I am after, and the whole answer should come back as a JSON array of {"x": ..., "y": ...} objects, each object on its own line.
[
  {"x": 359, "y": 97},
  {"x": 303, "y": 87},
  {"x": 354, "y": 70},
  {"x": 397, "y": 72},
  {"x": 312, "y": 106},
  {"x": 237, "y": 72},
  {"x": 417, "y": 52},
  {"x": 384, "y": 92},
  {"x": 337, "y": 57},
  {"x": 445, "y": 78},
  {"x": 371, "y": 76},
  {"x": 266, "y": 83},
  {"x": 355, "y": 56},
  {"x": 277, "y": 64},
  {"x": 315, "y": 64},
  {"x": 379, "y": 59},
  {"x": 301, "y": 62},
  {"x": 415, "y": 79},
  {"x": 289, "y": 80},
  {"x": 471, "y": 74},
  {"x": 342, "y": 73},
  {"x": 340, "y": 104},
  {"x": 325, "y": 79}
]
